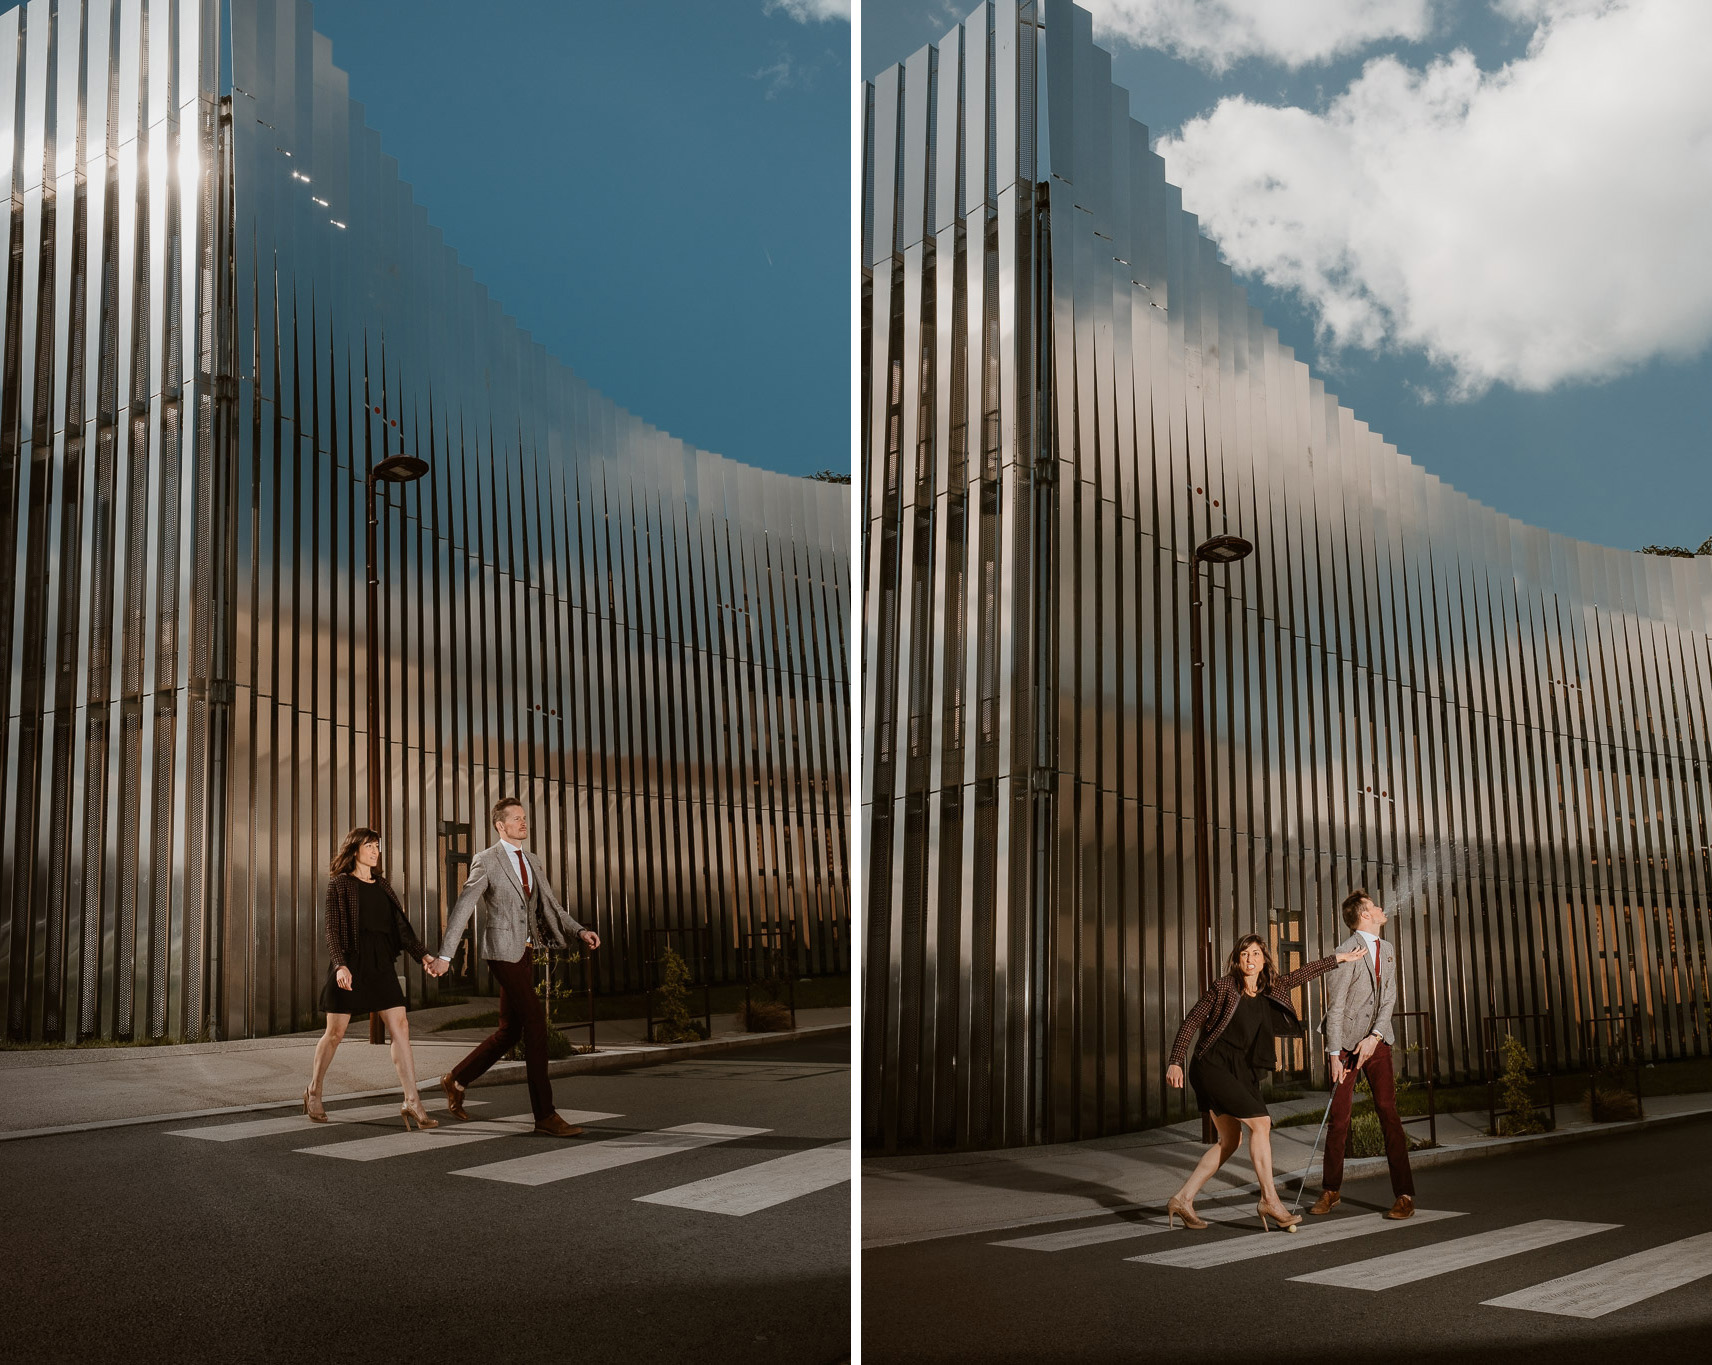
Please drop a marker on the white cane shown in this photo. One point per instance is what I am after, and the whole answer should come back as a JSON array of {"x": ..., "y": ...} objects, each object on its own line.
[{"x": 1303, "y": 1183}]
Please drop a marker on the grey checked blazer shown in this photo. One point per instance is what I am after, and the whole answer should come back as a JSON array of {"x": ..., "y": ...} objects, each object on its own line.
[
  {"x": 507, "y": 921},
  {"x": 1354, "y": 1008}
]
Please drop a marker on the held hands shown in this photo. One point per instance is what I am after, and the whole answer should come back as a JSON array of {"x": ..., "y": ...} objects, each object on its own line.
[
  {"x": 590, "y": 939},
  {"x": 432, "y": 965},
  {"x": 1174, "y": 1076},
  {"x": 343, "y": 977}
]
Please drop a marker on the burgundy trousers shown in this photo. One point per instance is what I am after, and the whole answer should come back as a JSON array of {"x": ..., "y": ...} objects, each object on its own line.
[
  {"x": 520, "y": 1015},
  {"x": 1382, "y": 1080}
]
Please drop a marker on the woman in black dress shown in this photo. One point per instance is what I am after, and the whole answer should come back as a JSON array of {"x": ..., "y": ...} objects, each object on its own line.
[
  {"x": 366, "y": 930},
  {"x": 1239, "y": 1017}
]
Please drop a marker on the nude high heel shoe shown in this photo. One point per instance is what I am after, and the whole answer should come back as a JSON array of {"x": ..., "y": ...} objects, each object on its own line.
[
  {"x": 412, "y": 1109},
  {"x": 1177, "y": 1207},
  {"x": 1278, "y": 1214},
  {"x": 312, "y": 1107}
]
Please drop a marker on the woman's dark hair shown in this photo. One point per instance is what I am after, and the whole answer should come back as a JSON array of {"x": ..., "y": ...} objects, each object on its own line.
[
  {"x": 1234, "y": 966},
  {"x": 345, "y": 860}
]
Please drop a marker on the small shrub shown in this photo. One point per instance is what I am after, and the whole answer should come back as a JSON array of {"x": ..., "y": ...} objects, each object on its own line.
[
  {"x": 1610, "y": 1096},
  {"x": 1515, "y": 1091},
  {"x": 765, "y": 1016},
  {"x": 673, "y": 999}
]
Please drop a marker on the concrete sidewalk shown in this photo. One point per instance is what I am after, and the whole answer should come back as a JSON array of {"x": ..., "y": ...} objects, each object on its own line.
[
  {"x": 57, "y": 1088},
  {"x": 920, "y": 1198}
]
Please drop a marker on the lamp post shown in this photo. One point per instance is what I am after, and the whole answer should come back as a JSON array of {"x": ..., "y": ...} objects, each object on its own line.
[
  {"x": 1218, "y": 550},
  {"x": 400, "y": 468}
]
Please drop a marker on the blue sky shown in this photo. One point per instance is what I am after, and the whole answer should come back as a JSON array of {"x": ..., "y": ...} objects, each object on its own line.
[
  {"x": 658, "y": 190},
  {"x": 1482, "y": 222}
]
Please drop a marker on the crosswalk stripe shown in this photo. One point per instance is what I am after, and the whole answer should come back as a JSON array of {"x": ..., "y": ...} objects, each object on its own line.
[
  {"x": 292, "y": 1123},
  {"x": 564, "y": 1162},
  {"x": 761, "y": 1186},
  {"x": 1113, "y": 1232},
  {"x": 401, "y": 1143},
  {"x": 1422, "y": 1263},
  {"x": 1605, "y": 1288},
  {"x": 1226, "y": 1250}
]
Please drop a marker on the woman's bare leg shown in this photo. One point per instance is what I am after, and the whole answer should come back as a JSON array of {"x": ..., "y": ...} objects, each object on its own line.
[
  {"x": 1260, "y": 1152},
  {"x": 325, "y": 1047},
  {"x": 402, "y": 1060},
  {"x": 1230, "y": 1135}
]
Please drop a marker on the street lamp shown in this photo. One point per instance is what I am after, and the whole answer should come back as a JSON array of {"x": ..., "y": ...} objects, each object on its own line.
[
  {"x": 400, "y": 468},
  {"x": 1218, "y": 550}
]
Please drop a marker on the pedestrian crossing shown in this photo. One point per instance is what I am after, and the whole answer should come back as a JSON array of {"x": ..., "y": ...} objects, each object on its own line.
[
  {"x": 753, "y": 1188},
  {"x": 1599, "y": 1290},
  {"x": 750, "y": 1189}
]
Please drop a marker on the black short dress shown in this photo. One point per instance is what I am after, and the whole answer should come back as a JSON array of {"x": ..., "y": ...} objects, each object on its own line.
[
  {"x": 374, "y": 976},
  {"x": 1224, "y": 1076}
]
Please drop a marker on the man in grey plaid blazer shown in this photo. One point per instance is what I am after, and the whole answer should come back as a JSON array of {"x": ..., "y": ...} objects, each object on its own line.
[
  {"x": 1361, "y": 996},
  {"x": 519, "y": 912}
]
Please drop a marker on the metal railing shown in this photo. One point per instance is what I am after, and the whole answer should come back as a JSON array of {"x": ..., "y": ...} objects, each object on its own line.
[
  {"x": 1605, "y": 1038},
  {"x": 775, "y": 950},
  {"x": 1429, "y": 1065},
  {"x": 1545, "y": 1056},
  {"x": 654, "y": 942}
]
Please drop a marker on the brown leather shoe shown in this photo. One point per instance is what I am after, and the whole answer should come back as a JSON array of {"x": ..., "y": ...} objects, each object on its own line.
[
  {"x": 554, "y": 1126},
  {"x": 1328, "y": 1200},
  {"x": 1403, "y": 1208},
  {"x": 454, "y": 1096}
]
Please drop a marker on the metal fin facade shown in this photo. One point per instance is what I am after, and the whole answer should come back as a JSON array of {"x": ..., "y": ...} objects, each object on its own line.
[
  {"x": 1502, "y": 733},
  {"x": 223, "y": 307}
]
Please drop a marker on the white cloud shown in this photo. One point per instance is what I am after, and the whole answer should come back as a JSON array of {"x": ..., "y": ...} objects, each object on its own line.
[
  {"x": 1542, "y": 223},
  {"x": 810, "y": 11},
  {"x": 1215, "y": 33},
  {"x": 785, "y": 74}
]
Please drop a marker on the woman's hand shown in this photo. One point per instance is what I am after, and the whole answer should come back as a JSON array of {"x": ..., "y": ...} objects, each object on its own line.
[
  {"x": 343, "y": 977},
  {"x": 1354, "y": 956},
  {"x": 1174, "y": 1076}
]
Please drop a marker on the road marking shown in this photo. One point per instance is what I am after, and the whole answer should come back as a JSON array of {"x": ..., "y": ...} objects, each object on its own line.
[
  {"x": 1113, "y": 1232},
  {"x": 1226, "y": 1250},
  {"x": 1605, "y": 1288},
  {"x": 761, "y": 1186},
  {"x": 294, "y": 1123},
  {"x": 403, "y": 1143},
  {"x": 1422, "y": 1263},
  {"x": 564, "y": 1162}
]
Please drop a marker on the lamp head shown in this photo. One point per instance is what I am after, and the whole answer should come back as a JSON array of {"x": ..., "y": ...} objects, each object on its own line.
[
  {"x": 1223, "y": 550},
  {"x": 400, "y": 468}
]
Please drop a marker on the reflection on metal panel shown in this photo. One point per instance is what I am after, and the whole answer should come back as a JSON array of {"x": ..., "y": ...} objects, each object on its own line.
[
  {"x": 1502, "y": 733},
  {"x": 221, "y": 310}
]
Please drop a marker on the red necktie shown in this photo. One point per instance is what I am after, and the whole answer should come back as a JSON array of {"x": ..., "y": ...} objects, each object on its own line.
[
  {"x": 1376, "y": 966},
  {"x": 523, "y": 866}
]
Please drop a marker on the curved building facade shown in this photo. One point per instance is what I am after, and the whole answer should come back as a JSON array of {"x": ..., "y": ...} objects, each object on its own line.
[
  {"x": 1504, "y": 734},
  {"x": 223, "y": 309}
]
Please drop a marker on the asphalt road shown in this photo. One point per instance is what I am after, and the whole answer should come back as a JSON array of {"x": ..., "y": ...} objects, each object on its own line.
[
  {"x": 140, "y": 1244},
  {"x": 967, "y": 1299}
]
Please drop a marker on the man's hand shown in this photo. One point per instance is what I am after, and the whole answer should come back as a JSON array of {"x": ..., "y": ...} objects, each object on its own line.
[
  {"x": 1365, "y": 1051},
  {"x": 1337, "y": 1068},
  {"x": 1174, "y": 1076},
  {"x": 591, "y": 940},
  {"x": 343, "y": 977}
]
